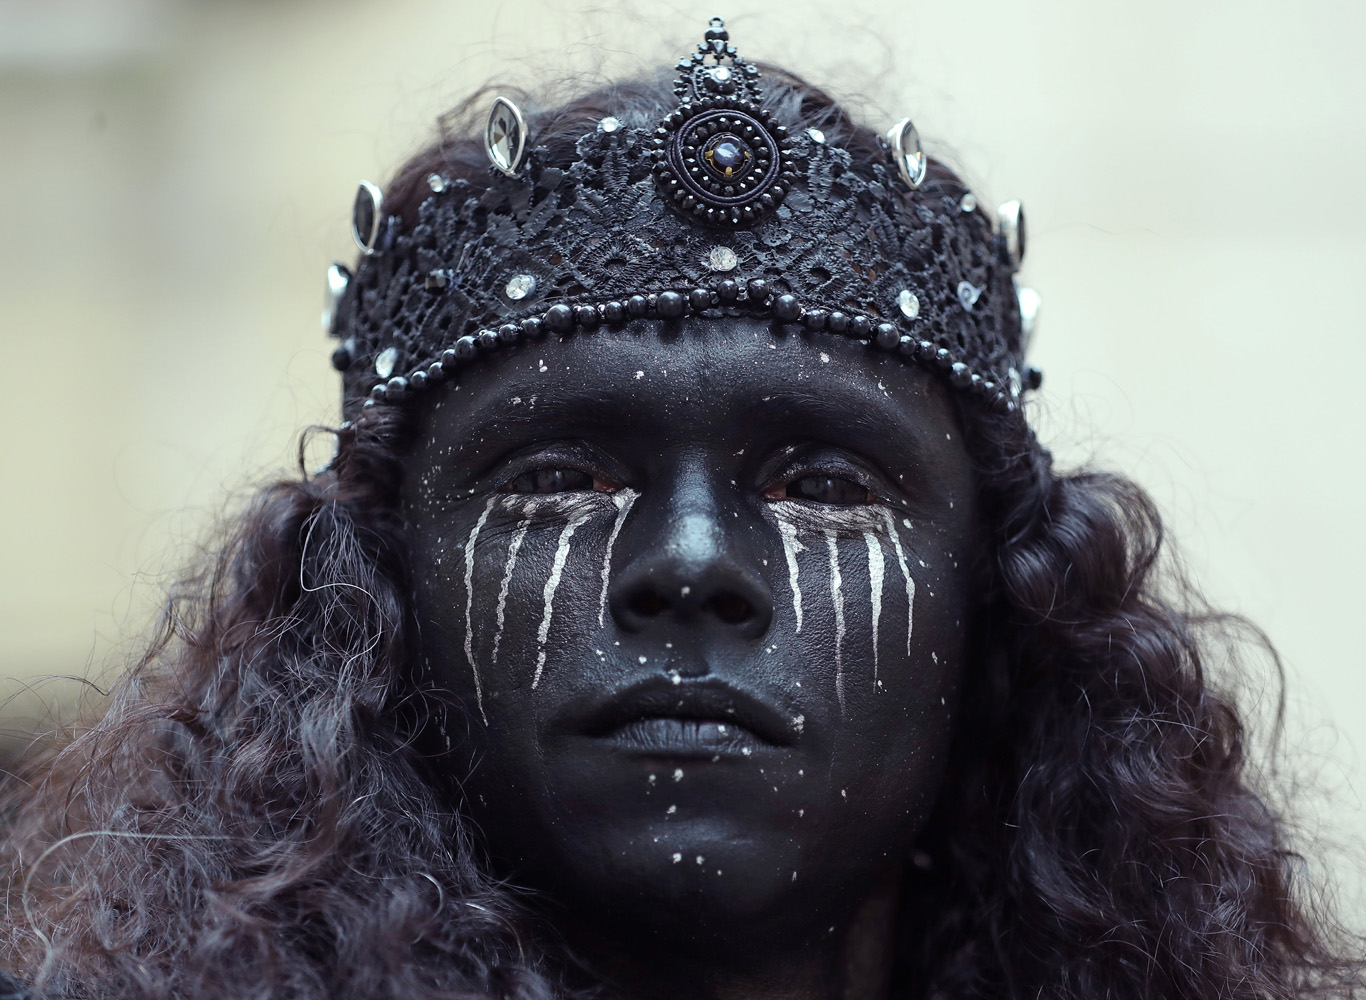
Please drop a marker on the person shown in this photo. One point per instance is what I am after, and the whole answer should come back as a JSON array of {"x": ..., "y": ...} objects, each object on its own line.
[{"x": 688, "y": 611}]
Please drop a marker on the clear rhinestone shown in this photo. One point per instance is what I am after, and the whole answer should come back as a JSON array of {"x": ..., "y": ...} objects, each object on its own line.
[
  {"x": 505, "y": 136},
  {"x": 968, "y": 203},
  {"x": 1016, "y": 385},
  {"x": 609, "y": 124},
  {"x": 908, "y": 303},
  {"x": 436, "y": 182},
  {"x": 968, "y": 294},
  {"x": 721, "y": 74},
  {"x": 907, "y": 152},
  {"x": 519, "y": 286},
  {"x": 1029, "y": 314},
  {"x": 722, "y": 259},
  {"x": 815, "y": 135},
  {"x": 338, "y": 277},
  {"x": 384, "y": 364}
]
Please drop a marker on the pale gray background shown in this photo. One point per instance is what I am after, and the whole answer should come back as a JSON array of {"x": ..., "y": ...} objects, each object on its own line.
[{"x": 176, "y": 175}]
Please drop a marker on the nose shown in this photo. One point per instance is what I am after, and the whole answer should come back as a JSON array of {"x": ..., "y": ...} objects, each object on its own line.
[{"x": 689, "y": 567}]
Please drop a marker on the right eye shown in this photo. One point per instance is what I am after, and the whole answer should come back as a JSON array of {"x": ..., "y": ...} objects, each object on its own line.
[{"x": 544, "y": 481}]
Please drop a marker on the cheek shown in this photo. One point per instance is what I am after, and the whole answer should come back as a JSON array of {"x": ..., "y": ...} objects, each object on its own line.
[
  {"x": 521, "y": 585},
  {"x": 875, "y": 608}
]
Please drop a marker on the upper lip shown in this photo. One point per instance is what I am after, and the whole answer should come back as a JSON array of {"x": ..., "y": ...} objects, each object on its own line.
[{"x": 704, "y": 699}]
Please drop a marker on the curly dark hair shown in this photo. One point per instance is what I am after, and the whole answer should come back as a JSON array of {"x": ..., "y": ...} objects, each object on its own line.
[{"x": 256, "y": 813}]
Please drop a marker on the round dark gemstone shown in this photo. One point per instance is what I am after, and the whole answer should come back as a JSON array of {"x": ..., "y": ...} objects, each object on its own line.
[
  {"x": 670, "y": 305},
  {"x": 559, "y": 318},
  {"x": 906, "y": 347},
  {"x": 417, "y": 381},
  {"x": 815, "y": 319},
  {"x": 838, "y": 322},
  {"x": 860, "y": 327},
  {"x": 924, "y": 350},
  {"x": 887, "y": 336},
  {"x": 614, "y": 312},
  {"x": 586, "y": 316},
  {"x": 509, "y": 333},
  {"x": 637, "y": 305},
  {"x": 959, "y": 374},
  {"x": 787, "y": 308},
  {"x": 975, "y": 383},
  {"x": 396, "y": 389},
  {"x": 436, "y": 371},
  {"x": 758, "y": 289},
  {"x": 1033, "y": 378},
  {"x": 488, "y": 339},
  {"x": 449, "y": 357},
  {"x": 341, "y": 358},
  {"x": 533, "y": 327},
  {"x": 379, "y": 391},
  {"x": 699, "y": 299},
  {"x": 728, "y": 291},
  {"x": 942, "y": 357},
  {"x": 727, "y": 156}
]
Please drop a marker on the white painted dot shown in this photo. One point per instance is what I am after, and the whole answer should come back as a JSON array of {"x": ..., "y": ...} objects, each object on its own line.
[
  {"x": 644, "y": 659},
  {"x": 671, "y": 810},
  {"x": 677, "y": 857},
  {"x": 700, "y": 859},
  {"x": 678, "y": 774}
]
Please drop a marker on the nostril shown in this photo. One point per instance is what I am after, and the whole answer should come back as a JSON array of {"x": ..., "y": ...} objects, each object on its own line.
[
  {"x": 648, "y": 603},
  {"x": 730, "y": 608}
]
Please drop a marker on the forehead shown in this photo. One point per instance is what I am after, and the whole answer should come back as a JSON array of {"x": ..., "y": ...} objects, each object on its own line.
[{"x": 729, "y": 381}]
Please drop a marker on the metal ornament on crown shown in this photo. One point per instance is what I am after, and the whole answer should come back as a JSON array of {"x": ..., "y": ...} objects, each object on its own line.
[{"x": 716, "y": 210}]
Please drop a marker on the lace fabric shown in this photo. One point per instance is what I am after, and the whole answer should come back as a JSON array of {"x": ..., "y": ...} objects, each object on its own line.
[{"x": 597, "y": 230}]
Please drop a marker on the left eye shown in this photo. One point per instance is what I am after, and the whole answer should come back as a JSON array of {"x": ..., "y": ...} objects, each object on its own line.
[
  {"x": 550, "y": 481},
  {"x": 828, "y": 489}
]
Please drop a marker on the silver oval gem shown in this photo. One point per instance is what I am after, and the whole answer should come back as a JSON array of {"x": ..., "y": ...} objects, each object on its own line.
[
  {"x": 907, "y": 153},
  {"x": 908, "y": 303},
  {"x": 436, "y": 182},
  {"x": 338, "y": 277},
  {"x": 366, "y": 215},
  {"x": 815, "y": 135},
  {"x": 519, "y": 286},
  {"x": 722, "y": 259},
  {"x": 505, "y": 136},
  {"x": 968, "y": 203},
  {"x": 1010, "y": 222},
  {"x": 609, "y": 124},
  {"x": 1029, "y": 314},
  {"x": 968, "y": 294},
  {"x": 386, "y": 361}
]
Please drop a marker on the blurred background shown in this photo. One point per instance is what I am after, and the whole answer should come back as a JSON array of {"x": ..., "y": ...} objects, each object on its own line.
[{"x": 177, "y": 175}]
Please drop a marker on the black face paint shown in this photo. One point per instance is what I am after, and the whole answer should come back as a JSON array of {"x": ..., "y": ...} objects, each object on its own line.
[{"x": 709, "y": 588}]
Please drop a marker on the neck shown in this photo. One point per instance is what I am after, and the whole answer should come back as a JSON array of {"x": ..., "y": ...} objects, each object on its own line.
[{"x": 850, "y": 961}]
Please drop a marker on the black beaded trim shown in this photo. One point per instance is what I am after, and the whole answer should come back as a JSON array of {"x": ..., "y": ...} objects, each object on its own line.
[{"x": 755, "y": 294}]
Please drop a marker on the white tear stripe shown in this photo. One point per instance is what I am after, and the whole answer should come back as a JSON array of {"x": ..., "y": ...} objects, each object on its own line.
[
  {"x": 553, "y": 584},
  {"x": 623, "y": 498},
  {"x": 837, "y": 594},
  {"x": 469, "y": 604},
  {"x": 875, "y": 569},
  {"x": 791, "y": 546},
  {"x": 905, "y": 574},
  {"x": 511, "y": 564}
]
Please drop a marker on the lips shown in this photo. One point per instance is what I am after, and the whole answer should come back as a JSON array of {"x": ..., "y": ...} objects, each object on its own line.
[{"x": 663, "y": 716}]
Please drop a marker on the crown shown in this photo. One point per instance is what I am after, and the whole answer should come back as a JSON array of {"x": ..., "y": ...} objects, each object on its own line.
[{"x": 716, "y": 210}]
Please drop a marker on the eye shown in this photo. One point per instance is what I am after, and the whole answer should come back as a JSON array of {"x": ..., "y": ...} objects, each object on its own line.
[
  {"x": 833, "y": 490},
  {"x": 550, "y": 481}
]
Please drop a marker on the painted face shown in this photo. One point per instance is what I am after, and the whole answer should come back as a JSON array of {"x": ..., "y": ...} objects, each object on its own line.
[{"x": 705, "y": 593}]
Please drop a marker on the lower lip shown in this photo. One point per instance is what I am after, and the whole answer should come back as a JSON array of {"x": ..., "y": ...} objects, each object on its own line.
[{"x": 686, "y": 738}]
